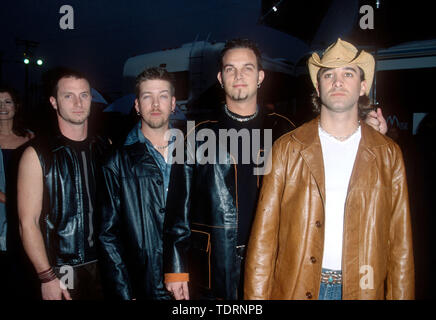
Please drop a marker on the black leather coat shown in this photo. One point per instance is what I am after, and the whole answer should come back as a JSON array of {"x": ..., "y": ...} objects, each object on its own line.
[
  {"x": 62, "y": 220},
  {"x": 201, "y": 226},
  {"x": 132, "y": 216}
]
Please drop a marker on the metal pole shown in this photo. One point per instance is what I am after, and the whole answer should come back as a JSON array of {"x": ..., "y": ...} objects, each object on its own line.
[{"x": 374, "y": 85}]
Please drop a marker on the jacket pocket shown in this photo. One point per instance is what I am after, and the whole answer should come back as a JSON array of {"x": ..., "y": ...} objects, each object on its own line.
[{"x": 200, "y": 272}]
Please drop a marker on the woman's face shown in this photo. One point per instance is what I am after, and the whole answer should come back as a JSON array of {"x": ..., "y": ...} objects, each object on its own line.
[{"x": 7, "y": 106}]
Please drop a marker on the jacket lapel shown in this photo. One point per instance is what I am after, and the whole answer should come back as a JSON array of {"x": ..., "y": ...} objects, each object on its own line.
[
  {"x": 312, "y": 153},
  {"x": 363, "y": 163},
  {"x": 313, "y": 158}
]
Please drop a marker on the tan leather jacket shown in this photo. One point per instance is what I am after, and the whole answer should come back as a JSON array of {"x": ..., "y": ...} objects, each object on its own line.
[{"x": 285, "y": 250}]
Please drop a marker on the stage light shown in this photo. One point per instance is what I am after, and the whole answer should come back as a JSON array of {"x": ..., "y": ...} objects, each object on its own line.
[
  {"x": 26, "y": 61},
  {"x": 274, "y": 9},
  {"x": 39, "y": 62}
]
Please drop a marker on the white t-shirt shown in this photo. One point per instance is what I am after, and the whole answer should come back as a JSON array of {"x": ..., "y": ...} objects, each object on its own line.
[{"x": 338, "y": 159}]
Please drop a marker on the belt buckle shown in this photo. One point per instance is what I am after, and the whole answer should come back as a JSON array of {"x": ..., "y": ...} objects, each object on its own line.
[{"x": 331, "y": 277}]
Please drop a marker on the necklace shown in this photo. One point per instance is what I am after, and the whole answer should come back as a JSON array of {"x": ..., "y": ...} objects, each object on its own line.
[
  {"x": 161, "y": 147},
  {"x": 336, "y": 137},
  {"x": 244, "y": 119}
]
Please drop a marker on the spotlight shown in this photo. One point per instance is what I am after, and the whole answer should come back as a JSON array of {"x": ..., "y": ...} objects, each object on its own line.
[
  {"x": 26, "y": 61},
  {"x": 274, "y": 9},
  {"x": 39, "y": 62}
]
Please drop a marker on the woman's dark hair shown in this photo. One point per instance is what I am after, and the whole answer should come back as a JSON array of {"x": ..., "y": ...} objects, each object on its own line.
[{"x": 18, "y": 127}]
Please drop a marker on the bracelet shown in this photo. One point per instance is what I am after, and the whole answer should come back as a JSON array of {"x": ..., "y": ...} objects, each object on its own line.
[{"x": 47, "y": 275}]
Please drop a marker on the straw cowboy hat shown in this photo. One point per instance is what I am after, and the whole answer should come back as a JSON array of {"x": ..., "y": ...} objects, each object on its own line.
[{"x": 339, "y": 54}]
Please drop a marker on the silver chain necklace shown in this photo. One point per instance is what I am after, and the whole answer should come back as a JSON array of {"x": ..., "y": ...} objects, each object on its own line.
[
  {"x": 245, "y": 119},
  {"x": 336, "y": 137},
  {"x": 161, "y": 147}
]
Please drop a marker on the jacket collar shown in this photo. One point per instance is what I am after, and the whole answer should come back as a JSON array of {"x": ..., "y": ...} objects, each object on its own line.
[
  {"x": 308, "y": 136},
  {"x": 136, "y": 146},
  {"x": 133, "y": 135}
]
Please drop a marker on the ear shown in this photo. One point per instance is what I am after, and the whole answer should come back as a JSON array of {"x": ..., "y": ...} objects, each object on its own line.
[
  {"x": 53, "y": 102},
  {"x": 173, "y": 103},
  {"x": 317, "y": 89},
  {"x": 219, "y": 78},
  {"x": 261, "y": 76},
  {"x": 137, "y": 105},
  {"x": 363, "y": 86}
]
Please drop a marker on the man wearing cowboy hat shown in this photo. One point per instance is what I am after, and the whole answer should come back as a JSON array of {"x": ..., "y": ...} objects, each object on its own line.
[{"x": 333, "y": 215}]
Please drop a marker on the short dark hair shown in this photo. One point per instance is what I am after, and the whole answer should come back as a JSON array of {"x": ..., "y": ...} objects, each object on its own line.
[
  {"x": 364, "y": 104},
  {"x": 61, "y": 73},
  {"x": 154, "y": 73},
  {"x": 241, "y": 44}
]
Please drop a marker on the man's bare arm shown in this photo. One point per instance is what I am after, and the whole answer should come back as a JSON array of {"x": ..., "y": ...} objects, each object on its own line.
[{"x": 29, "y": 194}]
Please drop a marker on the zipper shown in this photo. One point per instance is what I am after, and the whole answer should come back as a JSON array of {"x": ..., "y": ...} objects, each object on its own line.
[
  {"x": 78, "y": 180},
  {"x": 237, "y": 212}
]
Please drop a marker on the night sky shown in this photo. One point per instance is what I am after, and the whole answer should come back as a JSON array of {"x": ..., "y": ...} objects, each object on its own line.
[{"x": 106, "y": 33}]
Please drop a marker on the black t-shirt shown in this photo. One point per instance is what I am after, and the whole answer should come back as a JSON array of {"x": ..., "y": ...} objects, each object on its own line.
[
  {"x": 88, "y": 194},
  {"x": 247, "y": 181}
]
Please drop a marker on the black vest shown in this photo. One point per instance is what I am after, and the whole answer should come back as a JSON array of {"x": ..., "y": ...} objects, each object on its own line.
[{"x": 62, "y": 216}]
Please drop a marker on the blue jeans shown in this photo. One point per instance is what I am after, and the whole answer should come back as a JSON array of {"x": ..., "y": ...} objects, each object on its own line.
[{"x": 330, "y": 291}]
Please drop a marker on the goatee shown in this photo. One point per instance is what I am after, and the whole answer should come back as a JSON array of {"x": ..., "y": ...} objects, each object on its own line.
[{"x": 239, "y": 96}]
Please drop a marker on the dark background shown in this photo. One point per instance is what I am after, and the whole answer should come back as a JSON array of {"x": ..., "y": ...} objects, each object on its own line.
[{"x": 108, "y": 32}]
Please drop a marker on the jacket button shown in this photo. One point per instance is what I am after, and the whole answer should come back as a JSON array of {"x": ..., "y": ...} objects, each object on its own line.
[
  {"x": 309, "y": 295},
  {"x": 312, "y": 259},
  {"x": 318, "y": 224},
  {"x": 159, "y": 182},
  {"x": 161, "y": 210}
]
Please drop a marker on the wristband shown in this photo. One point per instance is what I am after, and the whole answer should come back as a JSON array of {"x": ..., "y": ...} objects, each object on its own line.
[{"x": 47, "y": 275}]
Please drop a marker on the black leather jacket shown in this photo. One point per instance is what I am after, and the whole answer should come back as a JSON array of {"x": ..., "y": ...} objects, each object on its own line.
[
  {"x": 133, "y": 210},
  {"x": 62, "y": 220},
  {"x": 201, "y": 226}
]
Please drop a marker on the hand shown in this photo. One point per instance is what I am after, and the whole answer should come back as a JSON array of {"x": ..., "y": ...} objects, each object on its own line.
[
  {"x": 377, "y": 121},
  {"x": 179, "y": 290},
  {"x": 53, "y": 290}
]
